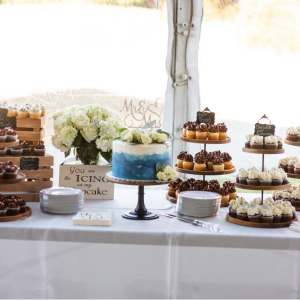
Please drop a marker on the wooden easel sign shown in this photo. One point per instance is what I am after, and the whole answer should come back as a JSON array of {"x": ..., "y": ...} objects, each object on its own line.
[
  {"x": 264, "y": 129},
  {"x": 206, "y": 116}
]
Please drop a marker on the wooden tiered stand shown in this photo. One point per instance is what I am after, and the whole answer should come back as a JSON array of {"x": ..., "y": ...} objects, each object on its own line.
[
  {"x": 31, "y": 131},
  {"x": 207, "y": 172}
]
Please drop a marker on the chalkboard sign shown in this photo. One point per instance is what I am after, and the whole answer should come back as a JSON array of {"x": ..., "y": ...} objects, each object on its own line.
[
  {"x": 7, "y": 121},
  {"x": 205, "y": 117},
  {"x": 264, "y": 129},
  {"x": 28, "y": 163}
]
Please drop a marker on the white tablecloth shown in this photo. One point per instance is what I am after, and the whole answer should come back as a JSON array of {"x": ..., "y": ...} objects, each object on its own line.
[{"x": 45, "y": 256}]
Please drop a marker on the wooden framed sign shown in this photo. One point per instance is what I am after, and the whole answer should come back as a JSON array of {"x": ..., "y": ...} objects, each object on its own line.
[
  {"x": 89, "y": 178},
  {"x": 29, "y": 163},
  {"x": 264, "y": 129},
  {"x": 7, "y": 121},
  {"x": 206, "y": 116}
]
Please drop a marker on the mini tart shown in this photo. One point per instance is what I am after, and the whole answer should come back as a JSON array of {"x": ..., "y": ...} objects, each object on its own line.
[
  {"x": 218, "y": 168},
  {"x": 201, "y": 167},
  {"x": 35, "y": 114},
  {"x": 201, "y": 135},
  {"x": 179, "y": 163},
  {"x": 191, "y": 134},
  {"x": 188, "y": 165},
  {"x": 222, "y": 135},
  {"x": 228, "y": 165},
  {"x": 213, "y": 135},
  {"x": 23, "y": 114}
]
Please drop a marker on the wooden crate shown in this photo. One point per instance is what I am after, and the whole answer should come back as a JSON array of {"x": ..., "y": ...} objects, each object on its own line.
[
  {"x": 31, "y": 130},
  {"x": 35, "y": 181}
]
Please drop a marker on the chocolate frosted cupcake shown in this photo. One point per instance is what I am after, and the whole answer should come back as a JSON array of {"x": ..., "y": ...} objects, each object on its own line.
[
  {"x": 292, "y": 134},
  {"x": 11, "y": 135},
  {"x": 3, "y": 209},
  {"x": 39, "y": 149},
  {"x": 253, "y": 214},
  {"x": 180, "y": 159},
  {"x": 248, "y": 139},
  {"x": 2, "y": 136},
  {"x": 17, "y": 150},
  {"x": 26, "y": 148},
  {"x": 210, "y": 157},
  {"x": 200, "y": 163},
  {"x": 242, "y": 213},
  {"x": 202, "y": 132},
  {"x": 191, "y": 131},
  {"x": 232, "y": 192},
  {"x": 213, "y": 132},
  {"x": 13, "y": 208},
  {"x": 227, "y": 160},
  {"x": 188, "y": 162},
  {"x": 218, "y": 164},
  {"x": 185, "y": 125},
  {"x": 22, "y": 204},
  {"x": 222, "y": 131},
  {"x": 225, "y": 194},
  {"x": 10, "y": 172}
]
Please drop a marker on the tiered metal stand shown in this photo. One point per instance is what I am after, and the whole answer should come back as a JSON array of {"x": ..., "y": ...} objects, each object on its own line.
[
  {"x": 206, "y": 172},
  {"x": 140, "y": 212}
]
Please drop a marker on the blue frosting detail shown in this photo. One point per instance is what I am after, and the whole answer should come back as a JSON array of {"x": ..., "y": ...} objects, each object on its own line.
[{"x": 129, "y": 166}]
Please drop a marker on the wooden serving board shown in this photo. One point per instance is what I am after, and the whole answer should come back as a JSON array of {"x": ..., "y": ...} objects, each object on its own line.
[
  {"x": 259, "y": 225},
  {"x": 263, "y": 188},
  {"x": 263, "y": 151},
  {"x": 296, "y": 144},
  {"x": 20, "y": 177},
  {"x": 289, "y": 175},
  {"x": 198, "y": 141},
  {"x": 207, "y": 172},
  {"x": 22, "y": 216},
  {"x": 9, "y": 144}
]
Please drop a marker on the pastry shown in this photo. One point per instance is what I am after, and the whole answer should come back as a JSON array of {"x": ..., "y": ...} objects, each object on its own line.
[
  {"x": 35, "y": 112},
  {"x": 3, "y": 209},
  {"x": 184, "y": 129},
  {"x": 243, "y": 176},
  {"x": 227, "y": 160},
  {"x": 43, "y": 108},
  {"x": 218, "y": 164},
  {"x": 11, "y": 135},
  {"x": 139, "y": 161},
  {"x": 265, "y": 179},
  {"x": 13, "y": 208},
  {"x": 39, "y": 149},
  {"x": 26, "y": 148},
  {"x": 188, "y": 162},
  {"x": 201, "y": 132},
  {"x": 286, "y": 214},
  {"x": 242, "y": 213},
  {"x": 271, "y": 142},
  {"x": 200, "y": 163},
  {"x": 2, "y": 136},
  {"x": 191, "y": 131},
  {"x": 253, "y": 214},
  {"x": 256, "y": 142},
  {"x": 213, "y": 132},
  {"x": 267, "y": 215},
  {"x": 17, "y": 150},
  {"x": 222, "y": 131},
  {"x": 253, "y": 178},
  {"x": 180, "y": 159},
  {"x": 248, "y": 139},
  {"x": 11, "y": 171},
  {"x": 292, "y": 134},
  {"x": 23, "y": 112}
]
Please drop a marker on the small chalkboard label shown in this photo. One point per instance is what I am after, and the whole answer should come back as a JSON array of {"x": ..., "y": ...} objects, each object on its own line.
[
  {"x": 264, "y": 129},
  {"x": 7, "y": 121},
  {"x": 205, "y": 117},
  {"x": 28, "y": 163}
]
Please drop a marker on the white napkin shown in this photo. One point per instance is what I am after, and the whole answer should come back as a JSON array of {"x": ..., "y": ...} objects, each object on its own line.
[
  {"x": 295, "y": 226},
  {"x": 102, "y": 218}
]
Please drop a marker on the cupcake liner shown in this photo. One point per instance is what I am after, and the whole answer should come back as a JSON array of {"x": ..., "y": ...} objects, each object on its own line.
[
  {"x": 237, "y": 180},
  {"x": 247, "y": 144},
  {"x": 254, "y": 219},
  {"x": 16, "y": 152},
  {"x": 3, "y": 212},
  {"x": 286, "y": 218},
  {"x": 10, "y": 175},
  {"x": 266, "y": 219},
  {"x": 242, "y": 217},
  {"x": 2, "y": 138},
  {"x": 233, "y": 213},
  {"x": 292, "y": 138},
  {"x": 253, "y": 182},
  {"x": 12, "y": 211},
  {"x": 243, "y": 180},
  {"x": 277, "y": 219},
  {"x": 284, "y": 167},
  {"x": 285, "y": 181},
  {"x": 11, "y": 138},
  {"x": 3, "y": 152},
  {"x": 256, "y": 146},
  {"x": 39, "y": 152},
  {"x": 291, "y": 169},
  {"x": 26, "y": 151},
  {"x": 280, "y": 145},
  {"x": 265, "y": 182},
  {"x": 276, "y": 182},
  {"x": 271, "y": 146}
]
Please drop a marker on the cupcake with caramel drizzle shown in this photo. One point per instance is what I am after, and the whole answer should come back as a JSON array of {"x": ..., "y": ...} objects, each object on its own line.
[
  {"x": 222, "y": 131},
  {"x": 180, "y": 159},
  {"x": 201, "y": 132},
  {"x": 218, "y": 164},
  {"x": 188, "y": 162},
  {"x": 213, "y": 132},
  {"x": 227, "y": 160},
  {"x": 200, "y": 163}
]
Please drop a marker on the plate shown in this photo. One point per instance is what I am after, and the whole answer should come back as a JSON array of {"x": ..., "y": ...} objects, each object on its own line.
[
  {"x": 20, "y": 177},
  {"x": 61, "y": 195}
]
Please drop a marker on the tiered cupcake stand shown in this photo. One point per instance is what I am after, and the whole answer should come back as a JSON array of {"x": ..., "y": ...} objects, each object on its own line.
[
  {"x": 296, "y": 176},
  {"x": 207, "y": 172},
  {"x": 140, "y": 212},
  {"x": 262, "y": 189}
]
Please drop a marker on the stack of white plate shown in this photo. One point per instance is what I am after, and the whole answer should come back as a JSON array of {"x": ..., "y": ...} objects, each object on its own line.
[
  {"x": 198, "y": 204},
  {"x": 61, "y": 200}
]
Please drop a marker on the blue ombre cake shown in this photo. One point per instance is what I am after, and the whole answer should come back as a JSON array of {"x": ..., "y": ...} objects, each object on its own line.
[{"x": 139, "y": 161}]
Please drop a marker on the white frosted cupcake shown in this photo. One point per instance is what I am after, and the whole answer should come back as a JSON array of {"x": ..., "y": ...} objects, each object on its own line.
[
  {"x": 248, "y": 139},
  {"x": 23, "y": 112},
  {"x": 267, "y": 215},
  {"x": 271, "y": 142},
  {"x": 276, "y": 178},
  {"x": 253, "y": 214},
  {"x": 256, "y": 142},
  {"x": 35, "y": 113},
  {"x": 265, "y": 179},
  {"x": 243, "y": 175},
  {"x": 253, "y": 178}
]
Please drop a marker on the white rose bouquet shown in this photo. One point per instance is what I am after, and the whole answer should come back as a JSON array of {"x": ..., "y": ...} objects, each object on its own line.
[
  {"x": 165, "y": 173},
  {"x": 90, "y": 129}
]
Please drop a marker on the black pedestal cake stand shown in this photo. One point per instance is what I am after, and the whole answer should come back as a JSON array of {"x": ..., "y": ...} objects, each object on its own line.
[{"x": 140, "y": 212}]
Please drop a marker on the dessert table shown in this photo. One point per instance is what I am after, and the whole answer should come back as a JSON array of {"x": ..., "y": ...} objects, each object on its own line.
[{"x": 45, "y": 256}]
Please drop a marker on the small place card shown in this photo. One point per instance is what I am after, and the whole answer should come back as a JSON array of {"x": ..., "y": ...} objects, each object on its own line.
[
  {"x": 264, "y": 129},
  {"x": 206, "y": 116},
  {"x": 7, "y": 121},
  {"x": 28, "y": 163},
  {"x": 93, "y": 218}
]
